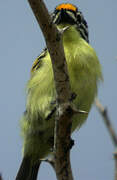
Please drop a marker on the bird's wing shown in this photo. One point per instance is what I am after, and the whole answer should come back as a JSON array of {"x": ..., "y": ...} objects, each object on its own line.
[{"x": 38, "y": 61}]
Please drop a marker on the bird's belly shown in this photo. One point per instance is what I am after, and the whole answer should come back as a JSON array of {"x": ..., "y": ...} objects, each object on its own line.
[{"x": 85, "y": 88}]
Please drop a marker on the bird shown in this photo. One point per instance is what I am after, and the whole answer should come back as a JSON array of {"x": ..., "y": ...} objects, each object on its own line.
[{"x": 85, "y": 73}]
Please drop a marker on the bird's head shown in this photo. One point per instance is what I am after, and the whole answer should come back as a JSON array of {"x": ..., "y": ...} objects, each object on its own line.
[{"x": 68, "y": 14}]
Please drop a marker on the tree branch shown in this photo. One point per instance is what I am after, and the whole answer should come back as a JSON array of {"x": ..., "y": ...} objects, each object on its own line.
[
  {"x": 63, "y": 143},
  {"x": 54, "y": 43},
  {"x": 62, "y": 139}
]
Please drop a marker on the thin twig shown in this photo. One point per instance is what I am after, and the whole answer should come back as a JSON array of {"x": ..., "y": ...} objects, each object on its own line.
[
  {"x": 104, "y": 112},
  {"x": 115, "y": 157}
]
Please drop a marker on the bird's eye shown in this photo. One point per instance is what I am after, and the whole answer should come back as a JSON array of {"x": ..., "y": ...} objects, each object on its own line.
[{"x": 79, "y": 18}]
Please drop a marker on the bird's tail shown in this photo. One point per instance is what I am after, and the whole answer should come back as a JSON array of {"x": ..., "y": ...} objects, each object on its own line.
[{"x": 27, "y": 170}]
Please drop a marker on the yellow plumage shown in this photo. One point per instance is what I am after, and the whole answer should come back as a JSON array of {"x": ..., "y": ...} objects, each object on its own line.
[{"x": 84, "y": 72}]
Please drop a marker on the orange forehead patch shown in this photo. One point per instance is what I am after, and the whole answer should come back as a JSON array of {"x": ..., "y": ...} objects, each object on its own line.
[{"x": 66, "y": 6}]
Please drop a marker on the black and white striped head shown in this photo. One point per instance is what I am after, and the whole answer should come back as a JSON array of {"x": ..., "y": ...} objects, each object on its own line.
[{"x": 69, "y": 14}]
